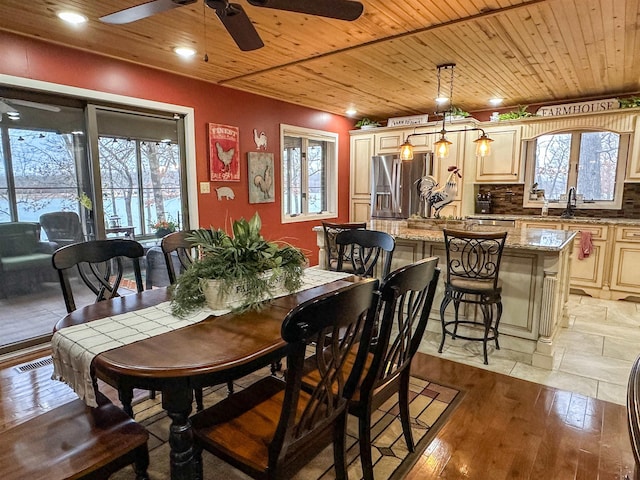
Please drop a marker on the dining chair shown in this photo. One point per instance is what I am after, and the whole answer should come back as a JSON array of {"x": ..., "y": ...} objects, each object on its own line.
[
  {"x": 99, "y": 264},
  {"x": 177, "y": 246},
  {"x": 100, "y": 267},
  {"x": 272, "y": 428},
  {"x": 406, "y": 299},
  {"x": 473, "y": 266},
  {"x": 362, "y": 249},
  {"x": 330, "y": 231},
  {"x": 63, "y": 228}
]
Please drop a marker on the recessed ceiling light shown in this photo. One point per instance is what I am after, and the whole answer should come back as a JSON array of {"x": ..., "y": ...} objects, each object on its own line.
[
  {"x": 351, "y": 112},
  {"x": 496, "y": 101},
  {"x": 72, "y": 17},
  {"x": 440, "y": 100},
  {"x": 184, "y": 52},
  {"x": 13, "y": 115}
]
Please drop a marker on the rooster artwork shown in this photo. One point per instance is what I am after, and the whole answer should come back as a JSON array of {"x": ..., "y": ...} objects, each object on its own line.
[
  {"x": 260, "y": 139},
  {"x": 264, "y": 181},
  {"x": 439, "y": 197},
  {"x": 261, "y": 184},
  {"x": 224, "y": 158}
]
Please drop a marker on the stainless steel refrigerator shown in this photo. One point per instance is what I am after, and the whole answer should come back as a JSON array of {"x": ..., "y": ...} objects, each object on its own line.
[{"x": 394, "y": 185}]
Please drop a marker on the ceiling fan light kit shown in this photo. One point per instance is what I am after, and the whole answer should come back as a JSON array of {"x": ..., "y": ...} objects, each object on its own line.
[{"x": 235, "y": 19}]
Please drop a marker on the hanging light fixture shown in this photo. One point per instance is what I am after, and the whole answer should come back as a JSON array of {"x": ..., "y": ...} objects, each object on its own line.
[
  {"x": 444, "y": 106},
  {"x": 483, "y": 145}
]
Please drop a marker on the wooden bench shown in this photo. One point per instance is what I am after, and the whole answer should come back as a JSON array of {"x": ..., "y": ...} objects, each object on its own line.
[{"x": 74, "y": 441}]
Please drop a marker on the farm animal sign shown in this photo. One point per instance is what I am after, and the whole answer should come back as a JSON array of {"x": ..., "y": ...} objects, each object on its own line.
[
  {"x": 260, "y": 139},
  {"x": 224, "y": 153},
  {"x": 225, "y": 192},
  {"x": 261, "y": 183}
]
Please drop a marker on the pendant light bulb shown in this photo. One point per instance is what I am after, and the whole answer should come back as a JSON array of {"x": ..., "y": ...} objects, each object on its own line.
[
  {"x": 483, "y": 145},
  {"x": 406, "y": 151},
  {"x": 441, "y": 147}
]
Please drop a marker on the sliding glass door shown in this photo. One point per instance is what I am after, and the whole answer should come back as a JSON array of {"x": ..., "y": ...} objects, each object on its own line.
[{"x": 111, "y": 167}]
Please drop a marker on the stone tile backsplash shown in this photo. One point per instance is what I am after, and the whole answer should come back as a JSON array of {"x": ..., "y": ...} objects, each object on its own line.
[{"x": 507, "y": 200}]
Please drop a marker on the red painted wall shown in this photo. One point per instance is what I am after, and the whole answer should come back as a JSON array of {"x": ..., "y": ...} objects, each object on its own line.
[{"x": 34, "y": 59}]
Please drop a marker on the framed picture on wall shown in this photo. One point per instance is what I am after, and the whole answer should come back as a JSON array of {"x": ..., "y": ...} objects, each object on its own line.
[
  {"x": 224, "y": 153},
  {"x": 261, "y": 183}
]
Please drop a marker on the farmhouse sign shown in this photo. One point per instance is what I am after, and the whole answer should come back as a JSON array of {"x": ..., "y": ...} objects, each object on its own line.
[
  {"x": 408, "y": 121},
  {"x": 577, "y": 108}
]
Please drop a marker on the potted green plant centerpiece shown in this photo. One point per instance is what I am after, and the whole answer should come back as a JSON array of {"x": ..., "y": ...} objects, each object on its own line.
[{"x": 237, "y": 271}]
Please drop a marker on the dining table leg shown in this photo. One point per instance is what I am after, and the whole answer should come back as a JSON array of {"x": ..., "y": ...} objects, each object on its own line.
[{"x": 177, "y": 401}]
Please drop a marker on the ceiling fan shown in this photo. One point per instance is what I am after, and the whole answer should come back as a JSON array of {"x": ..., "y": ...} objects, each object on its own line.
[
  {"x": 6, "y": 106},
  {"x": 234, "y": 18}
]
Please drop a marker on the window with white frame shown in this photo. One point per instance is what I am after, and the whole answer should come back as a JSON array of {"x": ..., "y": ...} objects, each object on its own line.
[
  {"x": 592, "y": 162},
  {"x": 309, "y": 173}
]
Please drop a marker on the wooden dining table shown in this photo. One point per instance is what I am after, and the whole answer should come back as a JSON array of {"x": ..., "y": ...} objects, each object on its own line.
[{"x": 211, "y": 352}]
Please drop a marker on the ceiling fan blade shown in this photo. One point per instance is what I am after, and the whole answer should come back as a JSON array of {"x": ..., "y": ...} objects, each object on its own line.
[
  {"x": 145, "y": 10},
  {"x": 340, "y": 9},
  {"x": 40, "y": 106},
  {"x": 237, "y": 23}
]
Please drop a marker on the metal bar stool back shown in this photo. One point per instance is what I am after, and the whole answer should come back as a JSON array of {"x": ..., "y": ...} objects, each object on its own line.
[{"x": 473, "y": 265}]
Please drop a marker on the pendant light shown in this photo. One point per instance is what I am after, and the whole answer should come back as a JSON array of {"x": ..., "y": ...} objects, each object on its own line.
[{"x": 444, "y": 107}]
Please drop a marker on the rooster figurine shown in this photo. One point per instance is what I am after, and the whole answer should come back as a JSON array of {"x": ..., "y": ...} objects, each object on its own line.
[
  {"x": 225, "y": 157},
  {"x": 442, "y": 196},
  {"x": 260, "y": 139},
  {"x": 264, "y": 182}
]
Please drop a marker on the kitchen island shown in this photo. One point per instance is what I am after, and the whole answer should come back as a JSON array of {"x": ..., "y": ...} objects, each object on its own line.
[{"x": 534, "y": 272}]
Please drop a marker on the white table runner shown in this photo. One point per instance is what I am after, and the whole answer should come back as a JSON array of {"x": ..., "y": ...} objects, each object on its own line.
[{"x": 73, "y": 348}]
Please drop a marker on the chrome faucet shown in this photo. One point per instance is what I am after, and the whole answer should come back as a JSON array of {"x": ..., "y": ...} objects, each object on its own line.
[{"x": 571, "y": 203}]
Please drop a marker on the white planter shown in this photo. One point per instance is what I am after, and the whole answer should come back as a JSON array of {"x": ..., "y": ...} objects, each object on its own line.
[{"x": 236, "y": 296}]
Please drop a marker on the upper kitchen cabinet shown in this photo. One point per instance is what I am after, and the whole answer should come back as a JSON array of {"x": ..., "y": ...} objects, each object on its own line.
[
  {"x": 362, "y": 149},
  {"x": 389, "y": 142},
  {"x": 633, "y": 170},
  {"x": 503, "y": 164}
]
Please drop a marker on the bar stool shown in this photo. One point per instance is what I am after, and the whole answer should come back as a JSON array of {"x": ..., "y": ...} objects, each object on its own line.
[{"x": 473, "y": 264}]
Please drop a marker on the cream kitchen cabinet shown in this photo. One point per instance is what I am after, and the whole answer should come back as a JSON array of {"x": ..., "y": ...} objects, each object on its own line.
[
  {"x": 362, "y": 149},
  {"x": 625, "y": 273},
  {"x": 589, "y": 274},
  {"x": 389, "y": 142},
  {"x": 503, "y": 164}
]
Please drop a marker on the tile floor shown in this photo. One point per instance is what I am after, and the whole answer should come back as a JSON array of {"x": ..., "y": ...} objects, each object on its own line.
[{"x": 594, "y": 354}]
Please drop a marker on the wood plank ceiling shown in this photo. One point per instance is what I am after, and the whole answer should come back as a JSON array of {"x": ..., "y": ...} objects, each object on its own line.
[{"x": 384, "y": 63}]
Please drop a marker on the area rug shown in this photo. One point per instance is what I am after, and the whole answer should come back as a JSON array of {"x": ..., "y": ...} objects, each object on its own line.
[{"x": 430, "y": 406}]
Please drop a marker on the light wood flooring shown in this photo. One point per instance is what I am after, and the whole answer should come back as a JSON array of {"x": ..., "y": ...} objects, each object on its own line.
[{"x": 504, "y": 427}]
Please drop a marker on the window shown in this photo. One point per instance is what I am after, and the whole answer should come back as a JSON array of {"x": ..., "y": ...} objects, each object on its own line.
[
  {"x": 140, "y": 170},
  {"x": 309, "y": 174},
  {"x": 592, "y": 162},
  {"x": 45, "y": 166},
  {"x": 42, "y": 150}
]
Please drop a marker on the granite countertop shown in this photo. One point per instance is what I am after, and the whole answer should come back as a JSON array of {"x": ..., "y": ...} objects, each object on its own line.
[
  {"x": 556, "y": 218},
  {"x": 525, "y": 238}
]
